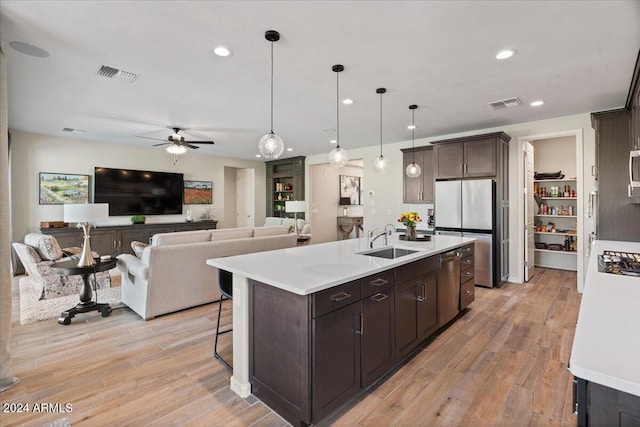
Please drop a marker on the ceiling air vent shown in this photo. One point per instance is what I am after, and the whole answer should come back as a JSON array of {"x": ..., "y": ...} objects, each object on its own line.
[
  {"x": 505, "y": 103},
  {"x": 73, "y": 130},
  {"x": 114, "y": 73}
]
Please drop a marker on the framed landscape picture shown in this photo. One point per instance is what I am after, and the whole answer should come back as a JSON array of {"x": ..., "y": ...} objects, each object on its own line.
[
  {"x": 350, "y": 187},
  {"x": 198, "y": 192},
  {"x": 61, "y": 188}
]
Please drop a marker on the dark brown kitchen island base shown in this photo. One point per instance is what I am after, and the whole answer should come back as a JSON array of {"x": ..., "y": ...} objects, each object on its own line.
[{"x": 311, "y": 354}]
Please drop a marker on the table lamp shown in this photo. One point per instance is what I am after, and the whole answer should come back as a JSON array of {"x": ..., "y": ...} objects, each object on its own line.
[
  {"x": 345, "y": 202},
  {"x": 83, "y": 214},
  {"x": 295, "y": 206}
]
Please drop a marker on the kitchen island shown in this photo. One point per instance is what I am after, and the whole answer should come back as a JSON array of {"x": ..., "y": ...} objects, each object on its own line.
[
  {"x": 605, "y": 358},
  {"x": 300, "y": 316}
]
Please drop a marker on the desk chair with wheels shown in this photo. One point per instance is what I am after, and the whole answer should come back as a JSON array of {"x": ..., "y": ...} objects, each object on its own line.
[{"x": 225, "y": 284}]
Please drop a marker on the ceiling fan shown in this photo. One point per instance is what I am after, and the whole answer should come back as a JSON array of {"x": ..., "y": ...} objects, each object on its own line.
[{"x": 177, "y": 143}]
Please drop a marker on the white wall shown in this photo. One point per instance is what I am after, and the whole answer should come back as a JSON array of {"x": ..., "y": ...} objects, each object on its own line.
[
  {"x": 34, "y": 153},
  {"x": 385, "y": 204}
]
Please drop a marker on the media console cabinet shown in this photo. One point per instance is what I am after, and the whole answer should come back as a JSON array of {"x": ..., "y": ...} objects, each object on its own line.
[{"x": 116, "y": 239}]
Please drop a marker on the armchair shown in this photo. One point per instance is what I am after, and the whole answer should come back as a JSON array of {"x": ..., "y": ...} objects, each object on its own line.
[{"x": 37, "y": 255}]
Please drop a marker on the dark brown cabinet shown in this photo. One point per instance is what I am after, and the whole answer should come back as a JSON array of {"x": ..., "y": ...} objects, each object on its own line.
[
  {"x": 311, "y": 354},
  {"x": 377, "y": 330},
  {"x": 467, "y": 284},
  {"x": 617, "y": 213},
  {"x": 416, "y": 304},
  {"x": 336, "y": 359},
  {"x": 598, "y": 405},
  {"x": 285, "y": 181},
  {"x": 466, "y": 159},
  {"x": 420, "y": 189},
  {"x": 116, "y": 239}
]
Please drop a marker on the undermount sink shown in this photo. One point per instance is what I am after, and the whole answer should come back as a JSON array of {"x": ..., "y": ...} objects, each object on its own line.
[{"x": 389, "y": 252}]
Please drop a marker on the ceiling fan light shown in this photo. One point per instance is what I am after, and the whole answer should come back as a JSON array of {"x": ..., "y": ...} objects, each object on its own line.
[
  {"x": 271, "y": 146},
  {"x": 338, "y": 157},
  {"x": 413, "y": 170},
  {"x": 176, "y": 149},
  {"x": 381, "y": 164}
]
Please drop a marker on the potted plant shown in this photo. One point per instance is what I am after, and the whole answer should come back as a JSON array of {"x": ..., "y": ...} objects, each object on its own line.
[{"x": 138, "y": 219}]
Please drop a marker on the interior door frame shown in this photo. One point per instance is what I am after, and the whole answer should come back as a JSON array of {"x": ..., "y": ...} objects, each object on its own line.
[
  {"x": 249, "y": 197},
  {"x": 526, "y": 203},
  {"x": 578, "y": 135}
]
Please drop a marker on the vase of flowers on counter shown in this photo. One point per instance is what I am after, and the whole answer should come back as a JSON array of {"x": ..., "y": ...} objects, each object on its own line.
[{"x": 410, "y": 219}]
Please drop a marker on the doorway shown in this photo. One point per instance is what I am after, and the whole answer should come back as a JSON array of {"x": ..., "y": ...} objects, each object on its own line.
[
  {"x": 245, "y": 216},
  {"x": 552, "y": 224}
]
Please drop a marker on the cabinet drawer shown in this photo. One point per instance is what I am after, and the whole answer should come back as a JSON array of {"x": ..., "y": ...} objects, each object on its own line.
[
  {"x": 334, "y": 298},
  {"x": 466, "y": 250},
  {"x": 466, "y": 262},
  {"x": 417, "y": 268},
  {"x": 467, "y": 293},
  {"x": 466, "y": 275},
  {"x": 374, "y": 284}
]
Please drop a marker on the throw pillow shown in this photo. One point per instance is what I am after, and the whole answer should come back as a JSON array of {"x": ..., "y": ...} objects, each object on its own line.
[
  {"x": 138, "y": 247},
  {"x": 46, "y": 245}
]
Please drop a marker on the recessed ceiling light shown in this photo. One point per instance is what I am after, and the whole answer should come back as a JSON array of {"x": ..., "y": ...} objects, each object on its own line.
[
  {"x": 537, "y": 103},
  {"x": 258, "y": 155},
  {"x": 289, "y": 149},
  {"x": 411, "y": 127},
  {"x": 29, "y": 49},
  {"x": 504, "y": 54},
  {"x": 348, "y": 101},
  {"x": 222, "y": 51},
  {"x": 333, "y": 141}
]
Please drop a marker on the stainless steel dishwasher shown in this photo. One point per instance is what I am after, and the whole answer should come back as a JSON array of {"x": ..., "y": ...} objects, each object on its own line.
[{"x": 448, "y": 286}]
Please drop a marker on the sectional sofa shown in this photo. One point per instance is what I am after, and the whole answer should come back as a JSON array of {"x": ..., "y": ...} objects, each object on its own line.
[{"x": 171, "y": 274}]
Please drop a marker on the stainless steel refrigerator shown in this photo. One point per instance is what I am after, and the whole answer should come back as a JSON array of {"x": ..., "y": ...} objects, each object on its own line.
[{"x": 467, "y": 208}]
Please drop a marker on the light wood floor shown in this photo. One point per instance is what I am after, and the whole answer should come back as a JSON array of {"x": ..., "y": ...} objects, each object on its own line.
[{"x": 504, "y": 363}]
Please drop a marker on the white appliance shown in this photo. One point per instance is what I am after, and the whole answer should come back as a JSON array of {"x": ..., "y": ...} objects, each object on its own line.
[{"x": 467, "y": 208}]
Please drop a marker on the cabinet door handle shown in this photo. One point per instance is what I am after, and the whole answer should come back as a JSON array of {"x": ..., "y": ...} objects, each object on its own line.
[
  {"x": 466, "y": 249},
  {"x": 379, "y": 282},
  {"x": 379, "y": 297},
  {"x": 115, "y": 243},
  {"x": 361, "y": 331},
  {"x": 468, "y": 292},
  {"x": 420, "y": 287},
  {"x": 466, "y": 261},
  {"x": 340, "y": 296},
  {"x": 468, "y": 273}
]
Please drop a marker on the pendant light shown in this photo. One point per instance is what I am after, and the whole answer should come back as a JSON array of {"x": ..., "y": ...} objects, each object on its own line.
[
  {"x": 271, "y": 145},
  {"x": 381, "y": 164},
  {"x": 413, "y": 170},
  {"x": 338, "y": 157}
]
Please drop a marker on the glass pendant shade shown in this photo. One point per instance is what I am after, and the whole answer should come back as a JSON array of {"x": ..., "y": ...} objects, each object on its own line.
[
  {"x": 271, "y": 146},
  {"x": 413, "y": 170},
  {"x": 381, "y": 164},
  {"x": 338, "y": 157},
  {"x": 176, "y": 149}
]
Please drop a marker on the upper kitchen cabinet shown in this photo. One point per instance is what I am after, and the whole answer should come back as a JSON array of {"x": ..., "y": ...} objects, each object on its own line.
[
  {"x": 419, "y": 189},
  {"x": 470, "y": 156},
  {"x": 285, "y": 181}
]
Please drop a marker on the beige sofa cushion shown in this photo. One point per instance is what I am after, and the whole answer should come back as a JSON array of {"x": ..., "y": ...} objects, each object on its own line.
[
  {"x": 270, "y": 231},
  {"x": 270, "y": 221},
  {"x": 231, "y": 233},
  {"x": 47, "y": 246},
  {"x": 181, "y": 238}
]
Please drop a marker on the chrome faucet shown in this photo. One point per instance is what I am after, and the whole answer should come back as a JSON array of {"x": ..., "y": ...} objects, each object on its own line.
[{"x": 387, "y": 232}]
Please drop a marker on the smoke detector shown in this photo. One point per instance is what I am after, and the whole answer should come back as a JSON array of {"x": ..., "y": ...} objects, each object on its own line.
[
  {"x": 114, "y": 73},
  {"x": 505, "y": 103}
]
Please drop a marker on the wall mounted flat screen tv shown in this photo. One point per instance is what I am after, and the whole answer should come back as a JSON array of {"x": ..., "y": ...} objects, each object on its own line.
[{"x": 134, "y": 192}]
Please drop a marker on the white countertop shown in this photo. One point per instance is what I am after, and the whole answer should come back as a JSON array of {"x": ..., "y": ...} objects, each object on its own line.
[
  {"x": 307, "y": 269},
  {"x": 606, "y": 346}
]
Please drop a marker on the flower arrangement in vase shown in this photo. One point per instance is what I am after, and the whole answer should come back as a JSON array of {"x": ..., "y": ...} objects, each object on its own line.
[{"x": 410, "y": 219}]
